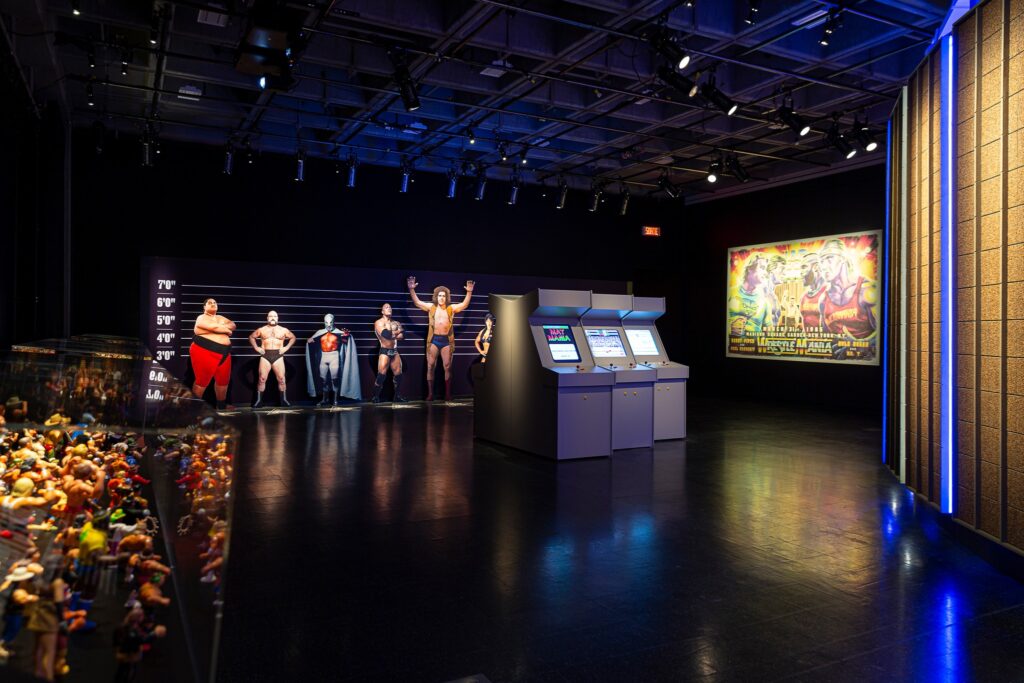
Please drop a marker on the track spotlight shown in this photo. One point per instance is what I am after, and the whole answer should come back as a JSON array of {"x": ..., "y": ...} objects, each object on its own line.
[
  {"x": 624, "y": 201},
  {"x": 710, "y": 92},
  {"x": 154, "y": 29},
  {"x": 148, "y": 146},
  {"x": 453, "y": 183},
  {"x": 125, "y": 58},
  {"x": 670, "y": 50},
  {"x": 678, "y": 81},
  {"x": 76, "y": 7},
  {"x": 736, "y": 168},
  {"x": 502, "y": 152},
  {"x": 92, "y": 58},
  {"x": 350, "y": 170},
  {"x": 522, "y": 157},
  {"x": 89, "y": 94},
  {"x": 862, "y": 134},
  {"x": 563, "y": 193},
  {"x": 472, "y": 136},
  {"x": 300, "y": 166},
  {"x": 248, "y": 152},
  {"x": 753, "y": 7},
  {"x": 406, "y": 86},
  {"x": 403, "y": 185},
  {"x": 481, "y": 184},
  {"x": 229, "y": 160},
  {"x": 714, "y": 168},
  {"x": 839, "y": 141},
  {"x": 596, "y": 190},
  {"x": 831, "y": 24},
  {"x": 665, "y": 185},
  {"x": 513, "y": 190},
  {"x": 794, "y": 121}
]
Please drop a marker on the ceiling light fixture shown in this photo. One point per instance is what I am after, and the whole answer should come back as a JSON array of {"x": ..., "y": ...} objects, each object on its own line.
[
  {"x": 453, "y": 183},
  {"x": 624, "y": 201},
  {"x": 76, "y": 7},
  {"x": 406, "y": 168},
  {"x": 229, "y": 160},
  {"x": 678, "y": 81},
  {"x": 513, "y": 192},
  {"x": 666, "y": 186},
  {"x": 596, "y": 190},
  {"x": 668, "y": 48},
  {"x": 406, "y": 86},
  {"x": 794, "y": 121},
  {"x": 300, "y": 166},
  {"x": 732, "y": 163},
  {"x": 710, "y": 92},
  {"x": 839, "y": 141},
  {"x": 481, "y": 183},
  {"x": 563, "y": 193},
  {"x": 350, "y": 170}
]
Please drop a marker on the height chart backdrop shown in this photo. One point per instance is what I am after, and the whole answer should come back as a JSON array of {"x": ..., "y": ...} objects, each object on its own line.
[
  {"x": 814, "y": 299},
  {"x": 174, "y": 291}
]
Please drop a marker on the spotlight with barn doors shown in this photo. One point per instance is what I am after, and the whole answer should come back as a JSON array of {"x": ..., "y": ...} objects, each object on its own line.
[
  {"x": 406, "y": 86},
  {"x": 406, "y": 168},
  {"x": 453, "y": 183},
  {"x": 481, "y": 184},
  {"x": 666, "y": 186},
  {"x": 837, "y": 139},
  {"x": 670, "y": 50},
  {"x": 513, "y": 191},
  {"x": 563, "y": 193}
]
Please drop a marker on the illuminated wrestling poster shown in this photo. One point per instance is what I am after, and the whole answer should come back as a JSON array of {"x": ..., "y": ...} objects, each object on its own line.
[{"x": 808, "y": 300}]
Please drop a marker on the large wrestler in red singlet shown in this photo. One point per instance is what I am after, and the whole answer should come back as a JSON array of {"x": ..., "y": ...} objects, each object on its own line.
[
  {"x": 810, "y": 308},
  {"x": 851, "y": 318}
]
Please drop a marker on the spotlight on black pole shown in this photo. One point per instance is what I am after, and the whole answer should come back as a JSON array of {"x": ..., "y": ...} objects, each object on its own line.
[
  {"x": 76, "y": 7},
  {"x": 300, "y": 166},
  {"x": 406, "y": 169},
  {"x": 563, "y": 193},
  {"x": 229, "y": 159},
  {"x": 154, "y": 29},
  {"x": 91, "y": 55},
  {"x": 678, "y": 81},
  {"x": 453, "y": 183},
  {"x": 481, "y": 184},
  {"x": 596, "y": 190},
  {"x": 406, "y": 86},
  {"x": 736, "y": 168},
  {"x": 624, "y": 201},
  {"x": 350, "y": 170},
  {"x": 862, "y": 134},
  {"x": 753, "y": 8},
  {"x": 471, "y": 135},
  {"x": 710, "y": 92},
  {"x": 714, "y": 168},
  {"x": 89, "y": 95},
  {"x": 666, "y": 186},
  {"x": 670, "y": 50},
  {"x": 794, "y": 121},
  {"x": 513, "y": 190},
  {"x": 838, "y": 140},
  {"x": 249, "y": 158}
]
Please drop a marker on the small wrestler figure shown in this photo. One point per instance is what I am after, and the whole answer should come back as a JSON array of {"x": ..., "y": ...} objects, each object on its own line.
[
  {"x": 388, "y": 333},
  {"x": 484, "y": 337},
  {"x": 210, "y": 353},
  {"x": 748, "y": 308},
  {"x": 275, "y": 341},
  {"x": 440, "y": 331},
  {"x": 814, "y": 290},
  {"x": 331, "y": 340}
]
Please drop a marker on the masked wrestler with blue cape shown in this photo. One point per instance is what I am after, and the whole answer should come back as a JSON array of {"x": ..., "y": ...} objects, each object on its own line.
[{"x": 331, "y": 357}]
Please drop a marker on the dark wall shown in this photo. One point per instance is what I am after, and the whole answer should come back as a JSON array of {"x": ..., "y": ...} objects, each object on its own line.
[
  {"x": 830, "y": 205},
  {"x": 185, "y": 207}
]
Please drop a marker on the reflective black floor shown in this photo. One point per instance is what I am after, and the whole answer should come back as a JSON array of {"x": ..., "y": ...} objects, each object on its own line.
[{"x": 379, "y": 544}]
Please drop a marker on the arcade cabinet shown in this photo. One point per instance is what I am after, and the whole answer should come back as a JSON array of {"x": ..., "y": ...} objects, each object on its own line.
[{"x": 648, "y": 350}]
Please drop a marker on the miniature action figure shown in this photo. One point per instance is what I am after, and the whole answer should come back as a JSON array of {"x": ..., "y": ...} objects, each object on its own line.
[
  {"x": 388, "y": 332},
  {"x": 484, "y": 337},
  {"x": 275, "y": 341},
  {"x": 440, "y": 331},
  {"x": 210, "y": 353},
  {"x": 335, "y": 357}
]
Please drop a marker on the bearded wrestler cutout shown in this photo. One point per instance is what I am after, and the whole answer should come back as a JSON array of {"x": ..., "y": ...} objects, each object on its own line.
[
  {"x": 389, "y": 332},
  {"x": 441, "y": 331},
  {"x": 210, "y": 353},
  {"x": 275, "y": 341}
]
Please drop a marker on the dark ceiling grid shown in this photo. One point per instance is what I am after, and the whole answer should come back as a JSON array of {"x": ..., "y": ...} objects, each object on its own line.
[{"x": 578, "y": 68}]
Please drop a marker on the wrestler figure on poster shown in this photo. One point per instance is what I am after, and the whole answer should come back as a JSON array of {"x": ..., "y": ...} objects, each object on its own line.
[
  {"x": 440, "y": 331},
  {"x": 748, "y": 309},
  {"x": 210, "y": 353},
  {"x": 389, "y": 331},
  {"x": 814, "y": 292},
  {"x": 846, "y": 308},
  {"x": 274, "y": 341}
]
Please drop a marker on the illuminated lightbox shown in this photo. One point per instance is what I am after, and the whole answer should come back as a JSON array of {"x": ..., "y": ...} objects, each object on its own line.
[
  {"x": 605, "y": 343},
  {"x": 561, "y": 343}
]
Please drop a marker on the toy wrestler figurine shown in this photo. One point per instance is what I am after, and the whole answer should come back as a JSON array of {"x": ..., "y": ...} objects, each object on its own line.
[
  {"x": 388, "y": 332},
  {"x": 332, "y": 351},
  {"x": 275, "y": 341},
  {"x": 484, "y": 337},
  {"x": 440, "y": 331},
  {"x": 210, "y": 353}
]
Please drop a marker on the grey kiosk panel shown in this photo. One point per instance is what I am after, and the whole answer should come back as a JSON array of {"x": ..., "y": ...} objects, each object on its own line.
[
  {"x": 646, "y": 345},
  {"x": 633, "y": 393},
  {"x": 524, "y": 397}
]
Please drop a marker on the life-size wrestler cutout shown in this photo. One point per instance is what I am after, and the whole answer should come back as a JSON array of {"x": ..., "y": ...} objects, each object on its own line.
[
  {"x": 484, "y": 337},
  {"x": 440, "y": 331},
  {"x": 210, "y": 353},
  {"x": 332, "y": 352},
  {"x": 389, "y": 332},
  {"x": 275, "y": 341}
]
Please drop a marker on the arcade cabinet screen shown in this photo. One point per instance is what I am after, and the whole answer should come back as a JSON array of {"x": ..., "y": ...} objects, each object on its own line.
[
  {"x": 605, "y": 343},
  {"x": 815, "y": 299},
  {"x": 642, "y": 342},
  {"x": 562, "y": 345}
]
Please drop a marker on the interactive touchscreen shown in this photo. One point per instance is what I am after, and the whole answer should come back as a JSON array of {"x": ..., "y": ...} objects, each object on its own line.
[
  {"x": 642, "y": 342},
  {"x": 605, "y": 343},
  {"x": 562, "y": 345}
]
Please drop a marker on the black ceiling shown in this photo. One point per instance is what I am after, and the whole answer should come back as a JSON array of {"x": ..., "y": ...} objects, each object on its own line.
[{"x": 573, "y": 85}]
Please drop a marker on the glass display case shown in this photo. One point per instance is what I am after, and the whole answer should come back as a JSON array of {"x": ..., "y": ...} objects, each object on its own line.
[{"x": 115, "y": 515}]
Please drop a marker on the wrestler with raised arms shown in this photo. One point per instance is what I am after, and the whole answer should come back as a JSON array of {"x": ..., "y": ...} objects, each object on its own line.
[{"x": 440, "y": 331}]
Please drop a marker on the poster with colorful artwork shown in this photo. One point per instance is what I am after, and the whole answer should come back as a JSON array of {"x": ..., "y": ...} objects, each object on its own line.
[{"x": 814, "y": 299}]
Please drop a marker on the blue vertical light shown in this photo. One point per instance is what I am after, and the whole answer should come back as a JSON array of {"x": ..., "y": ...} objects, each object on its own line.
[
  {"x": 883, "y": 338},
  {"x": 949, "y": 349}
]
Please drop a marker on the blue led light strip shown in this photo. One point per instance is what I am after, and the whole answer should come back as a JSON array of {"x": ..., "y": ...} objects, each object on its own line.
[
  {"x": 948, "y": 235},
  {"x": 884, "y": 337}
]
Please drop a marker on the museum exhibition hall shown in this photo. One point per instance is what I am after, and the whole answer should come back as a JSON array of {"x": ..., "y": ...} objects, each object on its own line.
[{"x": 492, "y": 341}]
